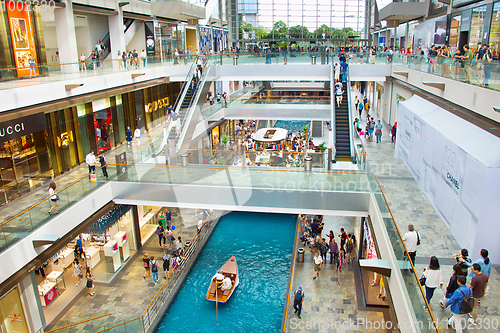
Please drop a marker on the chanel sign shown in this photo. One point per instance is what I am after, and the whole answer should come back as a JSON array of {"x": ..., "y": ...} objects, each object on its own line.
[{"x": 16, "y": 128}]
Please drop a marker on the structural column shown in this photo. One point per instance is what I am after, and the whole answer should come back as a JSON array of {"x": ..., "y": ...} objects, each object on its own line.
[
  {"x": 66, "y": 38},
  {"x": 116, "y": 35}
]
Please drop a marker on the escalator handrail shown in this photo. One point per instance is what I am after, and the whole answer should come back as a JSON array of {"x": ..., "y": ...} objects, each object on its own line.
[
  {"x": 178, "y": 103},
  {"x": 349, "y": 115}
]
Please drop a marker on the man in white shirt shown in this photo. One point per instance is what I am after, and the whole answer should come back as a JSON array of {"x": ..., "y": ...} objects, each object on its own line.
[
  {"x": 411, "y": 239},
  {"x": 317, "y": 263},
  {"x": 218, "y": 276},
  {"x": 137, "y": 133},
  {"x": 226, "y": 283},
  {"x": 90, "y": 160},
  {"x": 200, "y": 223}
]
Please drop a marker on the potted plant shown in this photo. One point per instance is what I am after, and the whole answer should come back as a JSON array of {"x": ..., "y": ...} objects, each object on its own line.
[
  {"x": 322, "y": 147},
  {"x": 305, "y": 129},
  {"x": 225, "y": 139}
]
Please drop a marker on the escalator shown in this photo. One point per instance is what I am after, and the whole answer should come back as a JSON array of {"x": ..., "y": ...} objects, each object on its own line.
[
  {"x": 342, "y": 128},
  {"x": 127, "y": 22},
  {"x": 186, "y": 102}
]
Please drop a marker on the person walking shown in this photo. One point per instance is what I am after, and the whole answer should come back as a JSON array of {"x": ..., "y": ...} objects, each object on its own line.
[
  {"x": 478, "y": 285},
  {"x": 90, "y": 281},
  {"x": 154, "y": 269},
  {"x": 32, "y": 63},
  {"x": 137, "y": 134},
  {"x": 371, "y": 128},
  {"x": 378, "y": 131},
  {"x": 433, "y": 278},
  {"x": 168, "y": 216},
  {"x": 161, "y": 218},
  {"x": 166, "y": 263},
  {"x": 160, "y": 233},
  {"x": 455, "y": 303},
  {"x": 170, "y": 237},
  {"x": 343, "y": 238},
  {"x": 90, "y": 160},
  {"x": 143, "y": 57},
  {"x": 317, "y": 263},
  {"x": 82, "y": 62},
  {"x": 340, "y": 260},
  {"x": 393, "y": 132},
  {"x": 298, "y": 299},
  {"x": 77, "y": 271},
  {"x": 411, "y": 240},
  {"x": 463, "y": 260},
  {"x": 323, "y": 247},
  {"x": 484, "y": 262},
  {"x": 452, "y": 284},
  {"x": 334, "y": 250},
  {"x": 338, "y": 94},
  {"x": 128, "y": 136},
  {"x": 178, "y": 244},
  {"x": 104, "y": 169},
  {"x": 53, "y": 198},
  {"x": 147, "y": 268}
]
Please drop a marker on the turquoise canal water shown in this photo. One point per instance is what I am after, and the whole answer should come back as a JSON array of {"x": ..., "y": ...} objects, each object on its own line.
[{"x": 263, "y": 246}]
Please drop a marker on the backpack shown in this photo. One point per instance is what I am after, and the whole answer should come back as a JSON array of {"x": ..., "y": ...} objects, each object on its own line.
[
  {"x": 360, "y": 106},
  {"x": 467, "y": 304},
  {"x": 372, "y": 125},
  {"x": 349, "y": 245},
  {"x": 154, "y": 268},
  {"x": 323, "y": 248}
]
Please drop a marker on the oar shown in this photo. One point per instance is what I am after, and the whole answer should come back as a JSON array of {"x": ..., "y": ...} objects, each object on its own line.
[{"x": 216, "y": 305}]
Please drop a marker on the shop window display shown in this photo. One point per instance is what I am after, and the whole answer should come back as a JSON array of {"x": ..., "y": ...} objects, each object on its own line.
[
  {"x": 373, "y": 283},
  {"x": 19, "y": 163},
  {"x": 114, "y": 230},
  {"x": 103, "y": 129},
  {"x": 12, "y": 318}
]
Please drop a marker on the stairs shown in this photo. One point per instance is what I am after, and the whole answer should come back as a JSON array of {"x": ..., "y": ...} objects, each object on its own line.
[
  {"x": 183, "y": 109},
  {"x": 342, "y": 127}
]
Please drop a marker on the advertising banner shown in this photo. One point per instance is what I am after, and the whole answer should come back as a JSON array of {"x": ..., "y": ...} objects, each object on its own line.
[
  {"x": 16, "y": 128},
  {"x": 23, "y": 40},
  {"x": 150, "y": 38}
]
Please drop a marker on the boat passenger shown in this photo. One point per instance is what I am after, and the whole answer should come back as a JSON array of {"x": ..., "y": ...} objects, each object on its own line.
[
  {"x": 226, "y": 283},
  {"x": 218, "y": 276}
]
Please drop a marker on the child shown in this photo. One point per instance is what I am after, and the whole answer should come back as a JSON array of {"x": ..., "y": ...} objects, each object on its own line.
[{"x": 340, "y": 260}]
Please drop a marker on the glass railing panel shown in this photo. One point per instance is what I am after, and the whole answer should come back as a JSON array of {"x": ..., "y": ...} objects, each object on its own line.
[{"x": 423, "y": 317}]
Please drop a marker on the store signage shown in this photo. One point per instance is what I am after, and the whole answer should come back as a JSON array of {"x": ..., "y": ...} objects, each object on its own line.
[
  {"x": 16, "y": 128},
  {"x": 150, "y": 38},
  {"x": 23, "y": 40},
  {"x": 153, "y": 106},
  {"x": 458, "y": 3}
]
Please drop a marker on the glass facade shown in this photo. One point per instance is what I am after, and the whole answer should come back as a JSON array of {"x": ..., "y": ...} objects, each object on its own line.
[
  {"x": 267, "y": 14},
  {"x": 495, "y": 30},
  {"x": 477, "y": 27}
]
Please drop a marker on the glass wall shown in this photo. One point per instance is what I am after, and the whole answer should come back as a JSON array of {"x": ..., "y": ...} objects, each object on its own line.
[
  {"x": 477, "y": 27},
  {"x": 495, "y": 30},
  {"x": 12, "y": 318}
]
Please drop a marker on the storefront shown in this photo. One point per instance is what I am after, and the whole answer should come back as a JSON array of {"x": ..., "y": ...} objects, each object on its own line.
[
  {"x": 12, "y": 316},
  {"x": 22, "y": 33},
  {"x": 107, "y": 246},
  {"x": 373, "y": 284},
  {"x": 23, "y": 154}
]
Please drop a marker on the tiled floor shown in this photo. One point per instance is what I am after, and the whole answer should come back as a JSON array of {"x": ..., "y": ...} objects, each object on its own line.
[
  {"x": 128, "y": 294},
  {"x": 331, "y": 302}
]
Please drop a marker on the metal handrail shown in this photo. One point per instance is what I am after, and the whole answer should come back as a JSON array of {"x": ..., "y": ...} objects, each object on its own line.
[{"x": 349, "y": 111}]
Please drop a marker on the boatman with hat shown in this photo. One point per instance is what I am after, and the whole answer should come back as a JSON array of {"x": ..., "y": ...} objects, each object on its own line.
[{"x": 297, "y": 301}]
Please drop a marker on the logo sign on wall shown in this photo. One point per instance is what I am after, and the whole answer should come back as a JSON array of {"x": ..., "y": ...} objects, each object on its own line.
[
  {"x": 23, "y": 40},
  {"x": 16, "y": 128},
  {"x": 150, "y": 38}
]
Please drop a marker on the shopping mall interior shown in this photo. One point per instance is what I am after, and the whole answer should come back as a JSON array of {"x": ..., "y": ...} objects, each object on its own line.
[{"x": 342, "y": 156}]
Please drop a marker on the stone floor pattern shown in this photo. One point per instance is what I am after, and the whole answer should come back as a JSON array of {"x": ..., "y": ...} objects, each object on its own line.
[{"x": 331, "y": 302}]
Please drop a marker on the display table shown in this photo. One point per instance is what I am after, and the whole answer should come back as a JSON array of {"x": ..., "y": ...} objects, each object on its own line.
[
  {"x": 47, "y": 291},
  {"x": 112, "y": 256},
  {"x": 66, "y": 257},
  {"x": 121, "y": 239},
  {"x": 93, "y": 256},
  {"x": 56, "y": 277}
]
